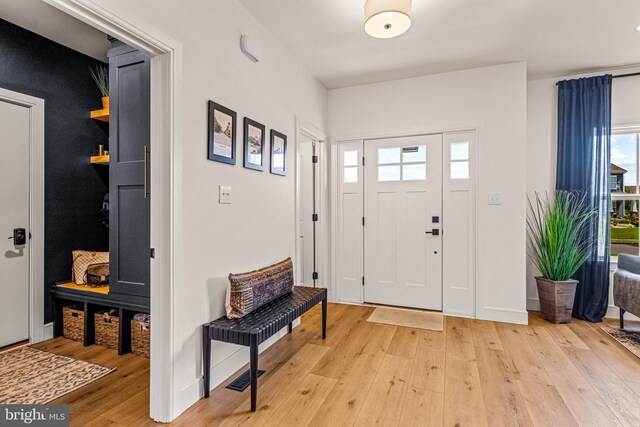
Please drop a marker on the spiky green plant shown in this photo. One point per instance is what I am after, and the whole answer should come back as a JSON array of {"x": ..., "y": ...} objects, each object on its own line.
[
  {"x": 556, "y": 230},
  {"x": 101, "y": 77}
]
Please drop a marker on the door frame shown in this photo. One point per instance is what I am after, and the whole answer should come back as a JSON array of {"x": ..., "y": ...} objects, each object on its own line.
[
  {"x": 477, "y": 127},
  {"x": 36, "y": 209},
  {"x": 166, "y": 199},
  {"x": 305, "y": 129}
]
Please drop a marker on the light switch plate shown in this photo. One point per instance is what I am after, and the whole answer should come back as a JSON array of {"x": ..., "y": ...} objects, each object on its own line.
[
  {"x": 224, "y": 195},
  {"x": 495, "y": 198}
]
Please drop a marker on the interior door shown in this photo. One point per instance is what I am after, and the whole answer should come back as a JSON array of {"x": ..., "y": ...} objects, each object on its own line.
[
  {"x": 403, "y": 218},
  {"x": 306, "y": 225},
  {"x": 14, "y": 208}
]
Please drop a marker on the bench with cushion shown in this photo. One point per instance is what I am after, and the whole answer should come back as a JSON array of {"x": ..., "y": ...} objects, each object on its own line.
[{"x": 257, "y": 326}]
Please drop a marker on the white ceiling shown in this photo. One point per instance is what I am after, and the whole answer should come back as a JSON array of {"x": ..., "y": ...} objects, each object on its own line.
[
  {"x": 555, "y": 37},
  {"x": 47, "y": 21}
]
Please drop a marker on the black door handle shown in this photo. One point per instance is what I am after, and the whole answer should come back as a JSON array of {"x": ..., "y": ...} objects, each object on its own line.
[
  {"x": 434, "y": 231},
  {"x": 19, "y": 236}
]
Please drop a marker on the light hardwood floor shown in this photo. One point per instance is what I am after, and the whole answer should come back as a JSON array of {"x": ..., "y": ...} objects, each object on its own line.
[{"x": 472, "y": 373}]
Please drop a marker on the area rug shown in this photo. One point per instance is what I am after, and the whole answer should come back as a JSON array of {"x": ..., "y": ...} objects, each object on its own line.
[
  {"x": 628, "y": 338},
  {"x": 407, "y": 318},
  {"x": 32, "y": 376}
]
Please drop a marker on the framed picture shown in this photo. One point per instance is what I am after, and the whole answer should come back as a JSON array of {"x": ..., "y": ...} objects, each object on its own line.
[
  {"x": 222, "y": 134},
  {"x": 278, "y": 153},
  {"x": 253, "y": 145}
]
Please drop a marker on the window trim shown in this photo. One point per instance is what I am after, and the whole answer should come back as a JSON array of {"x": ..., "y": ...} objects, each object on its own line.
[{"x": 626, "y": 130}]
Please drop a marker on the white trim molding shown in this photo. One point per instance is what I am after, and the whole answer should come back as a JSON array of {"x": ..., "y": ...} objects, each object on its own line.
[
  {"x": 36, "y": 209},
  {"x": 166, "y": 202}
]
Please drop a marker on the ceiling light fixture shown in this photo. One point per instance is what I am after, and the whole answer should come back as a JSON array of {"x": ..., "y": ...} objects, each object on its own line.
[
  {"x": 637, "y": 28},
  {"x": 387, "y": 18}
]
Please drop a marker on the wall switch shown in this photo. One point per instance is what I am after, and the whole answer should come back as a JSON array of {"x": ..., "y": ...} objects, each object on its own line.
[
  {"x": 495, "y": 198},
  {"x": 224, "y": 195}
]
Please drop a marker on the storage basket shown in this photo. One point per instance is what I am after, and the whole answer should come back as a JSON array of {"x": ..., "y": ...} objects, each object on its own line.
[
  {"x": 141, "y": 338},
  {"x": 107, "y": 324},
  {"x": 73, "y": 322}
]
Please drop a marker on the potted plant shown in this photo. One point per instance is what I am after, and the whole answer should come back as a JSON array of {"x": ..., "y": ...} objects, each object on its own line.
[
  {"x": 101, "y": 77},
  {"x": 558, "y": 247}
]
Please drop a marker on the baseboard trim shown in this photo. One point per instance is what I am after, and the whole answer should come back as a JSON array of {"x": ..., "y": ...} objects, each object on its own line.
[
  {"x": 504, "y": 315},
  {"x": 613, "y": 312},
  {"x": 48, "y": 331}
]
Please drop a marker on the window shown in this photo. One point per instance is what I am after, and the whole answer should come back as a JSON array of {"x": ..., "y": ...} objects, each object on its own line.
[
  {"x": 625, "y": 194},
  {"x": 350, "y": 169},
  {"x": 459, "y": 156},
  {"x": 402, "y": 163}
]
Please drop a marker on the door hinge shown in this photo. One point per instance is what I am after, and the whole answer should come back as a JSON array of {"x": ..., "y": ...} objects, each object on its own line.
[
  {"x": 315, "y": 275},
  {"x": 362, "y": 280},
  {"x": 314, "y": 159},
  {"x": 152, "y": 253},
  {"x": 363, "y": 221},
  {"x": 314, "y": 217},
  {"x": 362, "y": 160}
]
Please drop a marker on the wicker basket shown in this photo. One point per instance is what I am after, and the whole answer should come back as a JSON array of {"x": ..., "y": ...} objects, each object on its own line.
[
  {"x": 556, "y": 299},
  {"x": 73, "y": 322},
  {"x": 141, "y": 338},
  {"x": 107, "y": 323}
]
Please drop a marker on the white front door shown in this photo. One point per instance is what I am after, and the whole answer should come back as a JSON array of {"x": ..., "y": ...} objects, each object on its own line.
[
  {"x": 14, "y": 213},
  {"x": 402, "y": 210}
]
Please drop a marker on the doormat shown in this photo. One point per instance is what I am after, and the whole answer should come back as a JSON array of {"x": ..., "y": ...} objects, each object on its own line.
[
  {"x": 243, "y": 381},
  {"x": 31, "y": 376},
  {"x": 407, "y": 318},
  {"x": 628, "y": 338}
]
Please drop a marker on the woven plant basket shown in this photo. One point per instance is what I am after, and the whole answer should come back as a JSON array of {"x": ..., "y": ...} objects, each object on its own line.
[
  {"x": 73, "y": 323},
  {"x": 556, "y": 299},
  {"x": 107, "y": 329},
  {"x": 141, "y": 338}
]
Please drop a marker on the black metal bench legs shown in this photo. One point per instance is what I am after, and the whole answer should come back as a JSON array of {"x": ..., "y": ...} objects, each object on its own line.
[
  {"x": 206, "y": 358},
  {"x": 219, "y": 330},
  {"x": 253, "y": 369},
  {"x": 324, "y": 318}
]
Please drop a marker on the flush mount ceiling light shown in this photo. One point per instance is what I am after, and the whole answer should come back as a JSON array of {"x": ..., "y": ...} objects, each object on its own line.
[
  {"x": 637, "y": 28},
  {"x": 387, "y": 18}
]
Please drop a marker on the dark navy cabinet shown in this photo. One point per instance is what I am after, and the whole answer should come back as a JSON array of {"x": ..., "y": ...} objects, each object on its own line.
[{"x": 129, "y": 178}]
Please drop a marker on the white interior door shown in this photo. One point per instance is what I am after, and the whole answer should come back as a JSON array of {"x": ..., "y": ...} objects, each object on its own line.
[
  {"x": 307, "y": 198},
  {"x": 402, "y": 208},
  {"x": 14, "y": 208}
]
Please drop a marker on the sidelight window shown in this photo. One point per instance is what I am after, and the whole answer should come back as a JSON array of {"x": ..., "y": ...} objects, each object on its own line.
[{"x": 459, "y": 157}]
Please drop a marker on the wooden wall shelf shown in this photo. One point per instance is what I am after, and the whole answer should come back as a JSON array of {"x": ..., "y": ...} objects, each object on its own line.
[
  {"x": 100, "y": 160},
  {"x": 101, "y": 115}
]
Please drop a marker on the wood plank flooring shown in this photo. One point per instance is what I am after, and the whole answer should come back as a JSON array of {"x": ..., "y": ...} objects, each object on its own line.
[{"x": 473, "y": 373}]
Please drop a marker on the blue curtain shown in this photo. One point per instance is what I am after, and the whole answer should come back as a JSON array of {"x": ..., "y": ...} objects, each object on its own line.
[{"x": 584, "y": 164}]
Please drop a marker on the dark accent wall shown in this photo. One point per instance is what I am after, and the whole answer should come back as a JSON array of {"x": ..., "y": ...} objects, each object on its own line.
[{"x": 74, "y": 188}]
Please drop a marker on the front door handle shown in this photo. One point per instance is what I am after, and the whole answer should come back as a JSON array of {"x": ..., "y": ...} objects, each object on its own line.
[{"x": 434, "y": 231}]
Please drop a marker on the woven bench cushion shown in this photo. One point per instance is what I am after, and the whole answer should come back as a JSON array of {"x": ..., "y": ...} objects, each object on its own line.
[{"x": 249, "y": 291}]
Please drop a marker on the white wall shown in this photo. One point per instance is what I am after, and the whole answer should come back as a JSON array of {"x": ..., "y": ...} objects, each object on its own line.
[
  {"x": 492, "y": 98},
  {"x": 258, "y": 227},
  {"x": 542, "y": 99}
]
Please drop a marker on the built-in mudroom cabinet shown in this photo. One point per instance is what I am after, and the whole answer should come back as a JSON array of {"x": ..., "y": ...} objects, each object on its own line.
[{"x": 81, "y": 311}]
